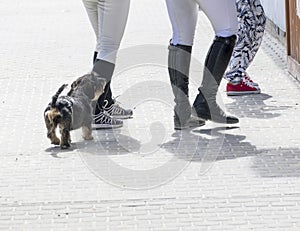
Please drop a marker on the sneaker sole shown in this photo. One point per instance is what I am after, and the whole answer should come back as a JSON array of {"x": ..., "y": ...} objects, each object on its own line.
[
  {"x": 121, "y": 117},
  {"x": 235, "y": 93},
  {"x": 102, "y": 126}
]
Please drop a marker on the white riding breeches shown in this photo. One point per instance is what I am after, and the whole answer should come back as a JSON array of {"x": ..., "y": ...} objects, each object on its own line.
[
  {"x": 184, "y": 14},
  {"x": 108, "y": 19}
]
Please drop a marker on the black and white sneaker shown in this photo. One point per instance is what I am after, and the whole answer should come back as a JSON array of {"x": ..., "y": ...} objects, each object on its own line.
[
  {"x": 116, "y": 111},
  {"x": 104, "y": 121}
]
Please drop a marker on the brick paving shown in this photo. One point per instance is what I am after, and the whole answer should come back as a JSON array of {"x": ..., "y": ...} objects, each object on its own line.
[{"x": 143, "y": 176}]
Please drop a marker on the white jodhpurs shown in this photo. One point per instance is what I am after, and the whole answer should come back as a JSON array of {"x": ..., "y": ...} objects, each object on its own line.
[
  {"x": 108, "y": 19},
  {"x": 184, "y": 14}
]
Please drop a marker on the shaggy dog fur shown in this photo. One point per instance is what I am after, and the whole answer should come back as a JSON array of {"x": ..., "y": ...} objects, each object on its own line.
[{"x": 73, "y": 110}]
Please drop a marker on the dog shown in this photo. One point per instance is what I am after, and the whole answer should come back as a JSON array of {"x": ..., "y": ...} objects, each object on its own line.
[{"x": 74, "y": 110}]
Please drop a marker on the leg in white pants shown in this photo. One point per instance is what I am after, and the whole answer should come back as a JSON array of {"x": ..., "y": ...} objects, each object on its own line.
[
  {"x": 108, "y": 19},
  {"x": 92, "y": 12},
  {"x": 184, "y": 13}
]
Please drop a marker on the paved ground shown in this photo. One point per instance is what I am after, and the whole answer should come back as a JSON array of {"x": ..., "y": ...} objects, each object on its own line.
[{"x": 143, "y": 176}]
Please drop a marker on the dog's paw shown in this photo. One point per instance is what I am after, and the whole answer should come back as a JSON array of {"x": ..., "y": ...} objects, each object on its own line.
[
  {"x": 55, "y": 141},
  {"x": 65, "y": 146},
  {"x": 88, "y": 137}
]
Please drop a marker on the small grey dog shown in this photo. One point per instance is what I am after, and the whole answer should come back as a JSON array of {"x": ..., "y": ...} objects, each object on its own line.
[{"x": 74, "y": 110}]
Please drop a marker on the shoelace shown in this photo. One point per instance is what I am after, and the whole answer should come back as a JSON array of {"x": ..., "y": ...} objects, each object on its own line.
[
  {"x": 248, "y": 83},
  {"x": 103, "y": 118},
  {"x": 247, "y": 78},
  {"x": 117, "y": 110},
  {"x": 114, "y": 108}
]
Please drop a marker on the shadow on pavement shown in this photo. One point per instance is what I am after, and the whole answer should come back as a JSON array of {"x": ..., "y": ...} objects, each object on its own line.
[
  {"x": 267, "y": 162},
  {"x": 106, "y": 142},
  {"x": 56, "y": 150},
  {"x": 109, "y": 142},
  {"x": 205, "y": 145},
  {"x": 254, "y": 106}
]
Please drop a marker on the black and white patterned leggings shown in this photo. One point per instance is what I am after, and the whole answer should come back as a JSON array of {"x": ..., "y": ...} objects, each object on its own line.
[{"x": 251, "y": 28}]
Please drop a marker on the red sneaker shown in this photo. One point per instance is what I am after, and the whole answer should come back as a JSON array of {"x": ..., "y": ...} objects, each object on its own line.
[{"x": 243, "y": 88}]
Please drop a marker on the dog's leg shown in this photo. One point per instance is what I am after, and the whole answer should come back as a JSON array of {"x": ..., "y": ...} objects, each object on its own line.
[
  {"x": 54, "y": 139},
  {"x": 87, "y": 126},
  {"x": 87, "y": 132},
  {"x": 65, "y": 128},
  {"x": 51, "y": 131},
  {"x": 65, "y": 138}
]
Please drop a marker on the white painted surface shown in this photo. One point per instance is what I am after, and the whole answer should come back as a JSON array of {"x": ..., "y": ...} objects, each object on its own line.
[{"x": 275, "y": 11}]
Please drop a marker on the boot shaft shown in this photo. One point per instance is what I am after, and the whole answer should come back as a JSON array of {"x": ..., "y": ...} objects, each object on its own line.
[
  {"x": 217, "y": 59},
  {"x": 178, "y": 66},
  {"x": 205, "y": 105}
]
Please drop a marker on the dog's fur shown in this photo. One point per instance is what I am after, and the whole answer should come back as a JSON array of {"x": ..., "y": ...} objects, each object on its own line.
[{"x": 73, "y": 110}]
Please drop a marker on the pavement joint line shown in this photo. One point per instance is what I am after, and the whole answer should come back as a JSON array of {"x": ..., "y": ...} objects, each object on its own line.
[{"x": 149, "y": 201}]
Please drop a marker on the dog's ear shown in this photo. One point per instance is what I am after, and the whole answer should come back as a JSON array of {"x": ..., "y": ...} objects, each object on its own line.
[
  {"x": 46, "y": 118},
  {"x": 76, "y": 82},
  {"x": 52, "y": 117}
]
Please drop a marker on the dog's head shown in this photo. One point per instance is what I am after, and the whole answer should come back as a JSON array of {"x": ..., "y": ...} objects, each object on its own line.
[
  {"x": 62, "y": 109},
  {"x": 90, "y": 84},
  {"x": 52, "y": 117}
]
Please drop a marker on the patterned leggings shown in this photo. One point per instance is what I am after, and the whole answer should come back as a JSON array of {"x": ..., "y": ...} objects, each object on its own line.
[{"x": 251, "y": 28}]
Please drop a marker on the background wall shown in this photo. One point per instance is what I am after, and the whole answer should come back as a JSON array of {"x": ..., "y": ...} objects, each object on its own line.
[{"x": 275, "y": 11}]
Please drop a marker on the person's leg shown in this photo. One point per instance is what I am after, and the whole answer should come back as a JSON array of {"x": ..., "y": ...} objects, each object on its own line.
[
  {"x": 222, "y": 15},
  {"x": 91, "y": 7},
  {"x": 113, "y": 109},
  {"x": 183, "y": 17},
  {"x": 260, "y": 23},
  {"x": 250, "y": 33},
  {"x": 112, "y": 20},
  {"x": 251, "y": 29}
]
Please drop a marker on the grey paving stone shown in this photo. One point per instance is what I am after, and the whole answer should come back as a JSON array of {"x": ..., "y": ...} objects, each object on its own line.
[{"x": 212, "y": 178}]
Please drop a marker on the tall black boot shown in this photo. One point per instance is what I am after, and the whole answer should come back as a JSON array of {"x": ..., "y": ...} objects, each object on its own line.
[
  {"x": 205, "y": 105},
  {"x": 178, "y": 65}
]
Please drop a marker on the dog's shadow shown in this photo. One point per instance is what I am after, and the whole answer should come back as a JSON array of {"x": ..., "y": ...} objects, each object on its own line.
[
  {"x": 109, "y": 143},
  {"x": 105, "y": 142},
  {"x": 56, "y": 150}
]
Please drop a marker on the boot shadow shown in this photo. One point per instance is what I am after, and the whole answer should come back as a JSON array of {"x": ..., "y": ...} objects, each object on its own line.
[
  {"x": 254, "y": 106},
  {"x": 211, "y": 145}
]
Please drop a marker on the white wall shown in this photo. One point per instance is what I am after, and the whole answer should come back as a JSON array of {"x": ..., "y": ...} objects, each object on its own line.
[{"x": 275, "y": 11}]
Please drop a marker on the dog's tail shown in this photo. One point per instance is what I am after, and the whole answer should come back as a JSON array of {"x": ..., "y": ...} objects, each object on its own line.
[{"x": 55, "y": 97}]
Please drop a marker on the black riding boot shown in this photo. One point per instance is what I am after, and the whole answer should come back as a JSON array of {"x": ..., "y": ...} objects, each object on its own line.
[
  {"x": 205, "y": 106},
  {"x": 178, "y": 65}
]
